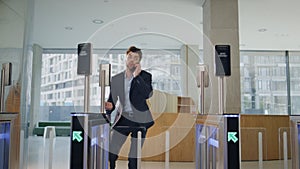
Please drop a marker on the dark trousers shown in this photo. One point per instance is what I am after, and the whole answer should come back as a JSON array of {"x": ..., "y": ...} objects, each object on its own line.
[{"x": 119, "y": 135}]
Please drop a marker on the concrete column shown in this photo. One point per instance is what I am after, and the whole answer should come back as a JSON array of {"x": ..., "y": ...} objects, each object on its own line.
[
  {"x": 35, "y": 85},
  {"x": 220, "y": 26}
]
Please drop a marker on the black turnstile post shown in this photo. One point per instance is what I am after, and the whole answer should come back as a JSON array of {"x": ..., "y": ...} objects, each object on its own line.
[
  {"x": 232, "y": 141},
  {"x": 217, "y": 142},
  {"x": 89, "y": 141}
]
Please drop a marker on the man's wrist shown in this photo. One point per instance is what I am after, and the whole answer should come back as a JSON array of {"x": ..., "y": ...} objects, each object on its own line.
[{"x": 135, "y": 74}]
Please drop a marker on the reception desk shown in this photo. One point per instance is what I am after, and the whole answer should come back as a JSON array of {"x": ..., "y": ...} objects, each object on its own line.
[
  {"x": 271, "y": 128},
  {"x": 8, "y": 154},
  {"x": 181, "y": 130}
]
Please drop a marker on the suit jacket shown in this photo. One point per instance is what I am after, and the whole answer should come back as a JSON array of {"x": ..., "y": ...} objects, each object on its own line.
[{"x": 140, "y": 90}]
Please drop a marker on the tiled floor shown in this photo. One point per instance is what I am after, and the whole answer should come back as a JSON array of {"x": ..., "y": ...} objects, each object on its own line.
[{"x": 37, "y": 158}]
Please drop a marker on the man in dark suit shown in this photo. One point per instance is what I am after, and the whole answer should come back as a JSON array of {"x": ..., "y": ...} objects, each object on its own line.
[{"x": 132, "y": 88}]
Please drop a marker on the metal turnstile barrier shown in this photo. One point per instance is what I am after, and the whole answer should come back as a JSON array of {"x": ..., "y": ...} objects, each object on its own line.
[
  {"x": 7, "y": 136},
  {"x": 4, "y": 144},
  {"x": 90, "y": 132},
  {"x": 217, "y": 142},
  {"x": 295, "y": 139},
  {"x": 89, "y": 141}
]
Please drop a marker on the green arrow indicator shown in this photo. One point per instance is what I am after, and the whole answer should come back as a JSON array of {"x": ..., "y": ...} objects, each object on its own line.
[
  {"x": 231, "y": 136},
  {"x": 77, "y": 136}
]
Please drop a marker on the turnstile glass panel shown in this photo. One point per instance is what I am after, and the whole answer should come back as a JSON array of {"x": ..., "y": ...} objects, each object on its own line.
[
  {"x": 99, "y": 146},
  {"x": 4, "y": 144},
  {"x": 207, "y": 146}
]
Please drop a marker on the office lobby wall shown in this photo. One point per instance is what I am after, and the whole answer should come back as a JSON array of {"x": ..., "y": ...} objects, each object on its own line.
[{"x": 15, "y": 47}]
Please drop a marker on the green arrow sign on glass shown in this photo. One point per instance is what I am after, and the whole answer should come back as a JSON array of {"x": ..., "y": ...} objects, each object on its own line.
[
  {"x": 77, "y": 136},
  {"x": 232, "y": 136}
]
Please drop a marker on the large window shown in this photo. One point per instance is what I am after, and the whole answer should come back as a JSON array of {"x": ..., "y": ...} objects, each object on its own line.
[
  {"x": 270, "y": 82},
  {"x": 263, "y": 83},
  {"x": 268, "y": 86},
  {"x": 62, "y": 90},
  {"x": 294, "y": 58}
]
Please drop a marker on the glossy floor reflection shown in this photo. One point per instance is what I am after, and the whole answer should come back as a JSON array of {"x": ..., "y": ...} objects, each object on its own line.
[{"x": 38, "y": 159}]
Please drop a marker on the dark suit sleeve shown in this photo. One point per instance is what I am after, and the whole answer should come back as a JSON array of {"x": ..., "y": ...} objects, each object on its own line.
[{"x": 143, "y": 84}]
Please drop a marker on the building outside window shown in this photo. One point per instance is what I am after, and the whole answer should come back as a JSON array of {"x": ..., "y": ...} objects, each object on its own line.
[
  {"x": 263, "y": 79},
  {"x": 163, "y": 64},
  {"x": 264, "y": 86},
  {"x": 294, "y": 58}
]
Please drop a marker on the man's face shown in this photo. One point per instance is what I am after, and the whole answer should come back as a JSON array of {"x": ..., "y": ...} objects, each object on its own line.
[{"x": 131, "y": 60}]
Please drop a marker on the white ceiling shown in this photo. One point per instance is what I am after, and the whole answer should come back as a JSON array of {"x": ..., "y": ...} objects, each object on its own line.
[
  {"x": 156, "y": 23},
  {"x": 12, "y": 23},
  {"x": 148, "y": 24},
  {"x": 279, "y": 17}
]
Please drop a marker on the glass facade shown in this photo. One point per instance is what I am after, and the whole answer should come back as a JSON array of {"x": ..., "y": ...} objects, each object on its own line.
[
  {"x": 62, "y": 90},
  {"x": 294, "y": 61},
  {"x": 266, "y": 86},
  {"x": 263, "y": 82},
  {"x": 270, "y": 83}
]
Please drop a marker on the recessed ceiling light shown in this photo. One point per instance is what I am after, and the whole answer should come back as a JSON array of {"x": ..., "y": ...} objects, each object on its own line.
[
  {"x": 282, "y": 34},
  {"x": 143, "y": 28},
  {"x": 69, "y": 28},
  {"x": 262, "y": 30},
  {"x": 98, "y": 21}
]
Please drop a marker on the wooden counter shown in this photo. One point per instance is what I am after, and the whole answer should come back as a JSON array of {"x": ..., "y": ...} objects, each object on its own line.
[
  {"x": 182, "y": 136},
  {"x": 272, "y": 128},
  {"x": 181, "y": 127}
]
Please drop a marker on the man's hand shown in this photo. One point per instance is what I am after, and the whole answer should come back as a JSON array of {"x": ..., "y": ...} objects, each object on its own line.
[
  {"x": 137, "y": 70},
  {"x": 108, "y": 106}
]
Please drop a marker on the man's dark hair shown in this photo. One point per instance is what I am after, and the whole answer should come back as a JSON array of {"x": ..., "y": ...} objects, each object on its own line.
[{"x": 134, "y": 50}]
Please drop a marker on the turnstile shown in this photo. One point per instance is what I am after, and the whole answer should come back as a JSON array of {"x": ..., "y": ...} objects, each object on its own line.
[
  {"x": 4, "y": 144},
  {"x": 217, "y": 142},
  {"x": 89, "y": 141},
  {"x": 295, "y": 139},
  {"x": 7, "y": 148}
]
